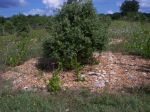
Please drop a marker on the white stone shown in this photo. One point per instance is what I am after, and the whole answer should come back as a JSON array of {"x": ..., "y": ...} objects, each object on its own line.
[{"x": 100, "y": 84}]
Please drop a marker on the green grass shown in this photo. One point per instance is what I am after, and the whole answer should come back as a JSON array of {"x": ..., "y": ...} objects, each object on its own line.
[
  {"x": 81, "y": 100},
  {"x": 15, "y": 49},
  {"x": 74, "y": 101},
  {"x": 135, "y": 37},
  {"x": 123, "y": 29}
]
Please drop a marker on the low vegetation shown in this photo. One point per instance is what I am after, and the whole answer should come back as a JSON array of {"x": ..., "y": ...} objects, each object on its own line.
[
  {"x": 54, "y": 84},
  {"x": 75, "y": 101},
  {"x": 14, "y": 50},
  {"x": 69, "y": 39},
  {"x": 133, "y": 37}
]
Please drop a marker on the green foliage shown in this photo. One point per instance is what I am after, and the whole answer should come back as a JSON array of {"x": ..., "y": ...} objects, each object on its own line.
[
  {"x": 134, "y": 36},
  {"x": 116, "y": 16},
  {"x": 14, "y": 49},
  {"x": 123, "y": 29},
  {"x": 20, "y": 55},
  {"x": 77, "y": 33},
  {"x": 9, "y": 28},
  {"x": 74, "y": 101},
  {"x": 129, "y": 6},
  {"x": 23, "y": 24},
  {"x": 77, "y": 67},
  {"x": 139, "y": 43},
  {"x": 2, "y": 20},
  {"x": 20, "y": 22},
  {"x": 131, "y": 16},
  {"x": 54, "y": 82}
]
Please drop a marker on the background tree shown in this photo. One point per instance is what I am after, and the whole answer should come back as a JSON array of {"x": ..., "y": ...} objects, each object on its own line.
[
  {"x": 130, "y": 6},
  {"x": 71, "y": 1},
  {"x": 20, "y": 22},
  {"x": 2, "y": 22},
  {"x": 9, "y": 27}
]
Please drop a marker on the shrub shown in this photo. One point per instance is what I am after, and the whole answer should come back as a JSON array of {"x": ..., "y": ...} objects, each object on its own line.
[
  {"x": 77, "y": 33},
  {"x": 54, "y": 82},
  {"x": 8, "y": 28},
  {"x": 19, "y": 55}
]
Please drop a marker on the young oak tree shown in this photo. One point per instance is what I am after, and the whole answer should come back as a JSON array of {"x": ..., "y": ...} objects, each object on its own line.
[{"x": 77, "y": 33}]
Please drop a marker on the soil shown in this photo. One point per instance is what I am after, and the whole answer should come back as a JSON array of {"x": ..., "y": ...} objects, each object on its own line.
[{"x": 114, "y": 72}]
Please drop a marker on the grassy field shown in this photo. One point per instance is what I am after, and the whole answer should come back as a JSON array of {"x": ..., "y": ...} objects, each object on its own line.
[
  {"x": 74, "y": 101},
  {"x": 15, "y": 49},
  {"x": 134, "y": 37}
]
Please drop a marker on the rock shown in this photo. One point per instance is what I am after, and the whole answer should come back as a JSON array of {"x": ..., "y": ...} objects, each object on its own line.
[
  {"x": 83, "y": 75},
  {"x": 107, "y": 81},
  {"x": 96, "y": 54},
  {"x": 94, "y": 73},
  {"x": 99, "y": 78},
  {"x": 25, "y": 88},
  {"x": 112, "y": 73},
  {"x": 100, "y": 84},
  {"x": 67, "y": 110},
  {"x": 102, "y": 75},
  {"x": 30, "y": 89},
  {"x": 104, "y": 72}
]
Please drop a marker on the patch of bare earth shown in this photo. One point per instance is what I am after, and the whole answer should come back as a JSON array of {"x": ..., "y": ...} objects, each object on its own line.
[{"x": 115, "y": 72}]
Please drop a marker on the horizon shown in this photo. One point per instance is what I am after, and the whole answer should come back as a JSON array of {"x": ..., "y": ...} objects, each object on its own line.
[{"x": 9, "y": 8}]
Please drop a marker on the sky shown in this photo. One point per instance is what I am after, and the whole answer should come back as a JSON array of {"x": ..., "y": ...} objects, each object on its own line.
[{"x": 46, "y": 7}]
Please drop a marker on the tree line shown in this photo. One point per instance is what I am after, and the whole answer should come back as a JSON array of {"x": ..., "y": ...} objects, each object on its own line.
[
  {"x": 129, "y": 10},
  {"x": 21, "y": 23}
]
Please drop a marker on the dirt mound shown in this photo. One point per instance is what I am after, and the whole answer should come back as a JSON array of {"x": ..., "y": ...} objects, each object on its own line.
[{"x": 115, "y": 71}]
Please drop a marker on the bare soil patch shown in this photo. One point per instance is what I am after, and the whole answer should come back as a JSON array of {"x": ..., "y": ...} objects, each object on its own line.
[{"x": 115, "y": 72}]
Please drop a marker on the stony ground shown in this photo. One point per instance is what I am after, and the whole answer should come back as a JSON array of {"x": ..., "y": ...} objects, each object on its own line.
[{"x": 114, "y": 72}]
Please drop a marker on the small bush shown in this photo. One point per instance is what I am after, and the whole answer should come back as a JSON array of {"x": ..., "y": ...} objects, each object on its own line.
[
  {"x": 77, "y": 66},
  {"x": 78, "y": 31},
  {"x": 17, "y": 57},
  {"x": 54, "y": 82}
]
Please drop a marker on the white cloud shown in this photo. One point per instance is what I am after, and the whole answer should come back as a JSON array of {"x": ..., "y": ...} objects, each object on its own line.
[
  {"x": 119, "y": 3},
  {"x": 35, "y": 11},
  {"x": 144, "y": 3},
  {"x": 53, "y": 3},
  {"x": 22, "y": 2},
  {"x": 110, "y": 12},
  {"x": 50, "y": 5}
]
